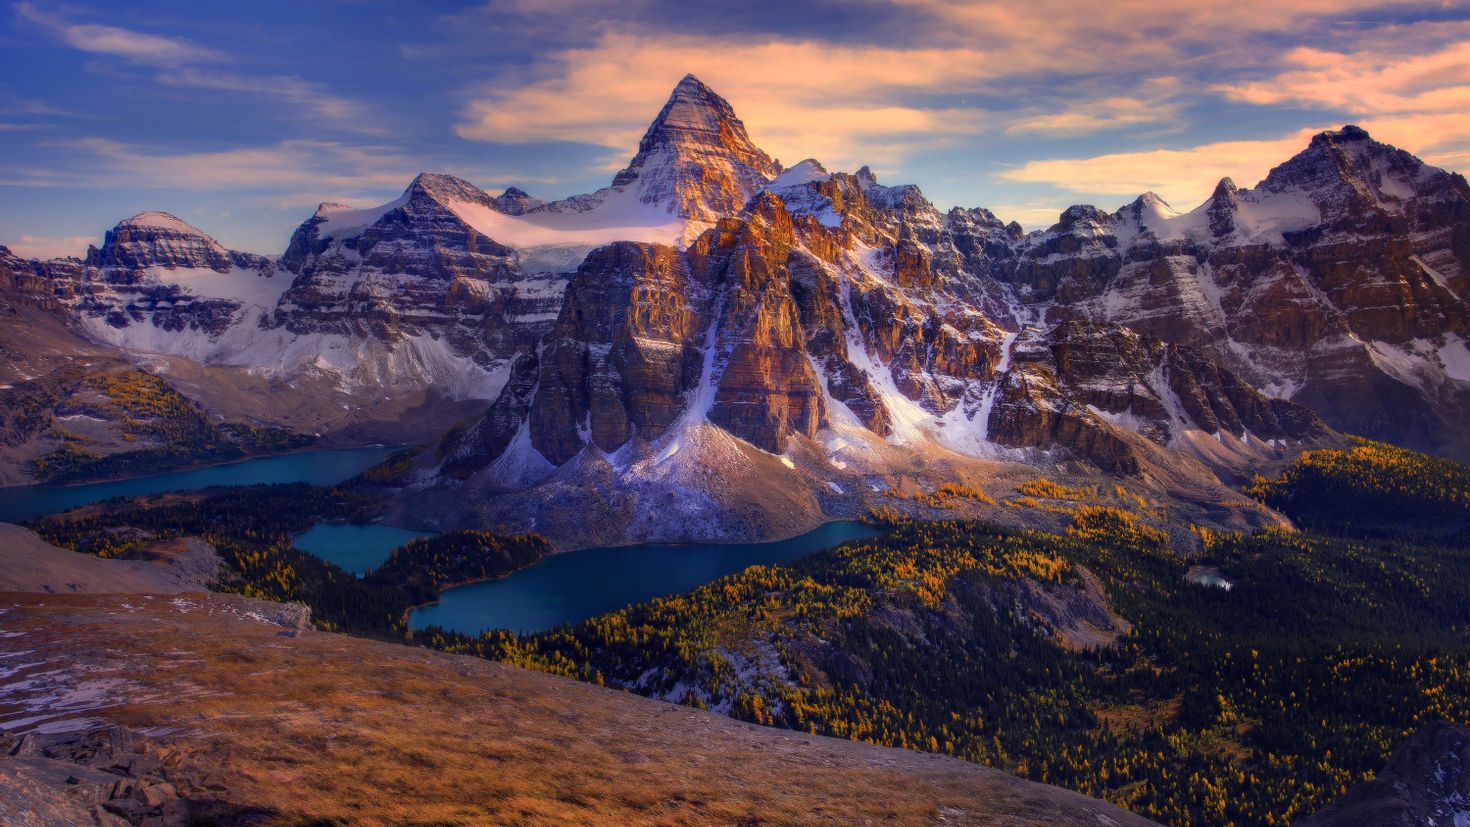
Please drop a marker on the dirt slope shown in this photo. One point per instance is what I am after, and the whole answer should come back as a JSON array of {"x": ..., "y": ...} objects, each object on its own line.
[{"x": 29, "y": 564}]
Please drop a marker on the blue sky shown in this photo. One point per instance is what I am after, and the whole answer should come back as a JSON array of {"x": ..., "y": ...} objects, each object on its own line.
[{"x": 242, "y": 117}]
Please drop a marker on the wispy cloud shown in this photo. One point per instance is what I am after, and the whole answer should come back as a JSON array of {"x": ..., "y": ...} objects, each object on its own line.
[
  {"x": 310, "y": 96},
  {"x": 137, "y": 47},
  {"x": 301, "y": 165},
  {"x": 1158, "y": 101},
  {"x": 784, "y": 91},
  {"x": 48, "y": 247},
  {"x": 1125, "y": 64},
  {"x": 1417, "y": 100},
  {"x": 178, "y": 63}
]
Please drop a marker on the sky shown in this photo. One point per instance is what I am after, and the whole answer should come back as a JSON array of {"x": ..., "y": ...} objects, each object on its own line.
[{"x": 242, "y": 117}]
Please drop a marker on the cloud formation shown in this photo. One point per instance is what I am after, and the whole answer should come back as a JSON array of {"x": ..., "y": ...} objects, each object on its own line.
[
  {"x": 785, "y": 91},
  {"x": 136, "y": 47},
  {"x": 1183, "y": 177},
  {"x": 850, "y": 101},
  {"x": 49, "y": 247},
  {"x": 329, "y": 165},
  {"x": 178, "y": 61}
]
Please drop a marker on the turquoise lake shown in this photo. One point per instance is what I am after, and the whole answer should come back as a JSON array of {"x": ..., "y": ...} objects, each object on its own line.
[
  {"x": 565, "y": 588},
  {"x": 327, "y": 467},
  {"x": 574, "y": 586},
  {"x": 354, "y": 547}
]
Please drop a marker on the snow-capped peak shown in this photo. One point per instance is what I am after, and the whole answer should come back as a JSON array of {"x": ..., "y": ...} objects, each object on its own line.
[
  {"x": 695, "y": 162},
  {"x": 806, "y": 172},
  {"x": 160, "y": 221},
  {"x": 446, "y": 189}
]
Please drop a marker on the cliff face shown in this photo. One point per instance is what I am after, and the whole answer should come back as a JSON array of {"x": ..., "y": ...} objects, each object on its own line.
[
  {"x": 1340, "y": 281},
  {"x": 623, "y": 353}
]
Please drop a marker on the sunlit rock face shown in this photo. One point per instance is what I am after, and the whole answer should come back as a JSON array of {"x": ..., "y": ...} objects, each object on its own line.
[
  {"x": 1340, "y": 281},
  {"x": 696, "y": 159}
]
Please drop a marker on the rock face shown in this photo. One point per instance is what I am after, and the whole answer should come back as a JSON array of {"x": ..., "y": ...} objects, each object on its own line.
[
  {"x": 1426, "y": 782},
  {"x": 158, "y": 274},
  {"x": 833, "y": 305},
  {"x": 623, "y": 353},
  {"x": 418, "y": 280},
  {"x": 1340, "y": 281}
]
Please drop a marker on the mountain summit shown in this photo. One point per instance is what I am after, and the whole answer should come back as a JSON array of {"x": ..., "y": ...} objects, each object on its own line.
[
  {"x": 696, "y": 157},
  {"x": 695, "y": 163}
]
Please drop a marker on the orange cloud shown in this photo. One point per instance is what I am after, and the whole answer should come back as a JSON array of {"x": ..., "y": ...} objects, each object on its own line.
[
  {"x": 1367, "y": 81},
  {"x": 798, "y": 99},
  {"x": 1183, "y": 177}
]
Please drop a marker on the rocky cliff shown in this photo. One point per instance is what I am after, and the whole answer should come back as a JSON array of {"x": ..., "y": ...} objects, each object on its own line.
[{"x": 1341, "y": 281}]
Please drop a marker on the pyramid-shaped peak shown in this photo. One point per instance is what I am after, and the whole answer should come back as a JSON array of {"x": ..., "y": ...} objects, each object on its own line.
[
  {"x": 696, "y": 160},
  {"x": 159, "y": 239},
  {"x": 442, "y": 187},
  {"x": 1347, "y": 166},
  {"x": 1153, "y": 200},
  {"x": 691, "y": 85},
  {"x": 694, "y": 107}
]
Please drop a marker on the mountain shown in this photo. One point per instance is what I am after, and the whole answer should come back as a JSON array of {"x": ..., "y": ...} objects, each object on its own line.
[
  {"x": 1426, "y": 782},
  {"x": 1340, "y": 282},
  {"x": 716, "y": 346},
  {"x": 809, "y": 352}
]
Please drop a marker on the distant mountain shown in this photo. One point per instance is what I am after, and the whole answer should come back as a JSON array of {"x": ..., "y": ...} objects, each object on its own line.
[
  {"x": 712, "y": 322},
  {"x": 1340, "y": 282}
]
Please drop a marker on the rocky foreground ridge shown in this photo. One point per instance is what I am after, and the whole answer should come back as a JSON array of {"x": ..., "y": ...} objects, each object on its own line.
[
  {"x": 164, "y": 709},
  {"x": 712, "y": 310}
]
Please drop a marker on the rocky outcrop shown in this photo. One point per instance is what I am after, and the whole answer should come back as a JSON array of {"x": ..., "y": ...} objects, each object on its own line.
[
  {"x": 766, "y": 388},
  {"x": 1427, "y": 781},
  {"x": 50, "y": 285},
  {"x": 109, "y": 777},
  {"x": 156, "y": 274},
  {"x": 158, "y": 239}
]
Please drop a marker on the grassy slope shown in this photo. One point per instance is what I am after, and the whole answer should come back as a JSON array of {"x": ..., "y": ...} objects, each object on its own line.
[
  {"x": 330, "y": 729},
  {"x": 1255, "y": 705}
]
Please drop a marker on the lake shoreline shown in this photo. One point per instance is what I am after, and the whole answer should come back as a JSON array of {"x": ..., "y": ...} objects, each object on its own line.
[
  {"x": 322, "y": 466},
  {"x": 569, "y": 587},
  {"x": 202, "y": 466}
]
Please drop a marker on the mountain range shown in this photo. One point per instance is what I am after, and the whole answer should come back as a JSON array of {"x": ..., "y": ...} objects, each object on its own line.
[{"x": 716, "y": 345}]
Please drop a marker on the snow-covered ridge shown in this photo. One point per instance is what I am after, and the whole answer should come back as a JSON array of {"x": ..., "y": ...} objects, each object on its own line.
[{"x": 154, "y": 220}]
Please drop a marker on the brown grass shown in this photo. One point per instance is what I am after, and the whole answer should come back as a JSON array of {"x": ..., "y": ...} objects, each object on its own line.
[{"x": 326, "y": 726}]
